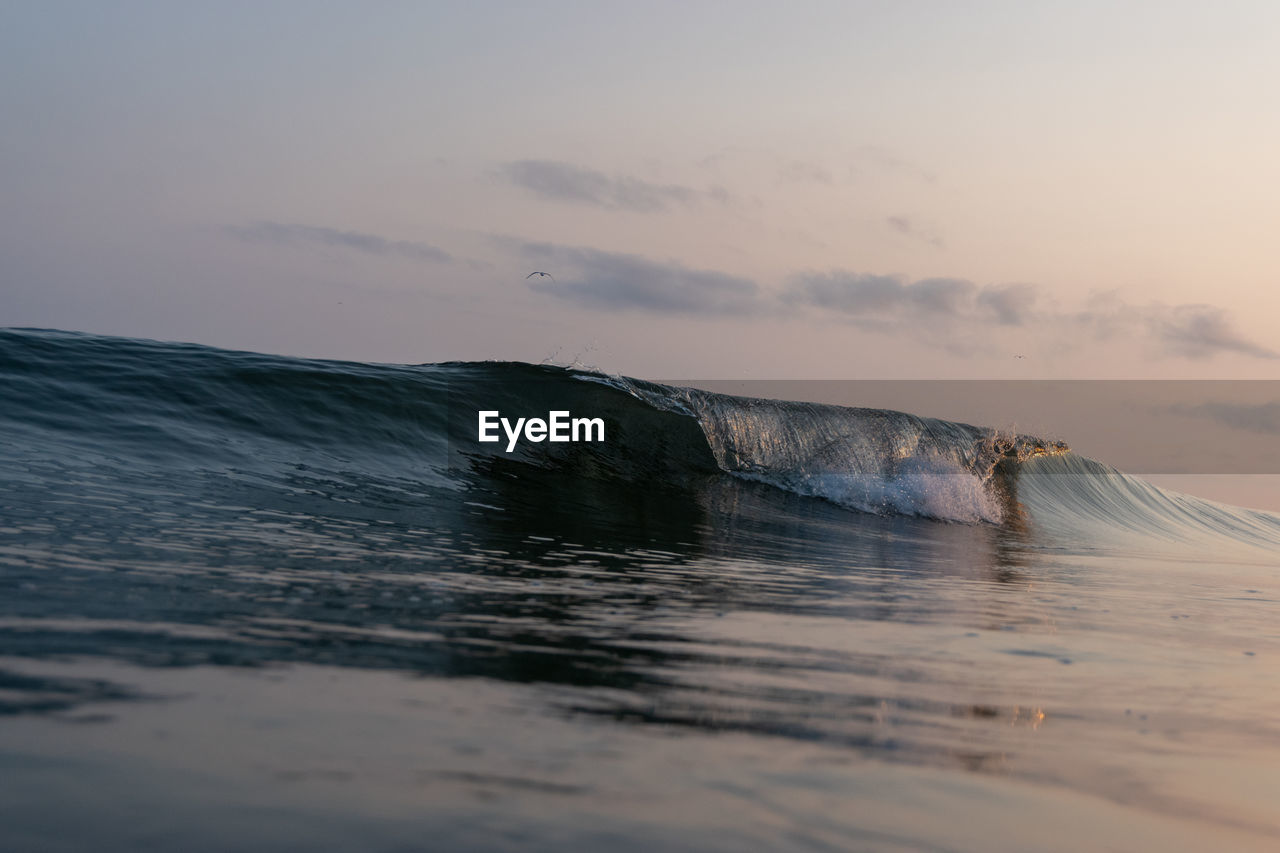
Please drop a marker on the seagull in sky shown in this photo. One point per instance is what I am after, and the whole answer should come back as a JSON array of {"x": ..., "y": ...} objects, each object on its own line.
[{"x": 539, "y": 272}]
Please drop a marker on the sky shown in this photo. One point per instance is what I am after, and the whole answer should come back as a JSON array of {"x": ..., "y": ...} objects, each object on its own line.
[{"x": 839, "y": 190}]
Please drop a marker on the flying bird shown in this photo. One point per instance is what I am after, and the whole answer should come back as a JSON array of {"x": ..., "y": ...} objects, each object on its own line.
[{"x": 539, "y": 272}]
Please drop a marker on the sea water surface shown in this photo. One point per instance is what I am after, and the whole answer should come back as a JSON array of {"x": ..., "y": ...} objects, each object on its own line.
[{"x": 255, "y": 602}]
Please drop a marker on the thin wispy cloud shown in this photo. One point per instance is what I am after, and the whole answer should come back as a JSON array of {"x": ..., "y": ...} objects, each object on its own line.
[
  {"x": 858, "y": 164},
  {"x": 805, "y": 172},
  {"x": 908, "y": 227},
  {"x": 1200, "y": 331},
  {"x": 612, "y": 281},
  {"x": 1008, "y": 304},
  {"x": 885, "y": 160},
  {"x": 356, "y": 241},
  {"x": 923, "y": 307},
  {"x": 1193, "y": 331},
  {"x": 564, "y": 182},
  {"x": 943, "y": 311},
  {"x": 877, "y": 298}
]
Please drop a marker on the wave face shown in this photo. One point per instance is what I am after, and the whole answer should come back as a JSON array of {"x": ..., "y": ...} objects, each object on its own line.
[
  {"x": 81, "y": 398},
  {"x": 87, "y": 398},
  {"x": 1080, "y": 500}
]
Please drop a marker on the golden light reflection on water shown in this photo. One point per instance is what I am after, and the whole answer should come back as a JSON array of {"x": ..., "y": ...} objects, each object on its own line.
[{"x": 1031, "y": 717}]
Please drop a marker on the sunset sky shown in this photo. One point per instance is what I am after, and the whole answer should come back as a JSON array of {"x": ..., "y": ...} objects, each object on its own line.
[{"x": 826, "y": 190}]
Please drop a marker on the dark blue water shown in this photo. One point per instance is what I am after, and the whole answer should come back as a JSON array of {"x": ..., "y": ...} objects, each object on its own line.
[{"x": 249, "y": 601}]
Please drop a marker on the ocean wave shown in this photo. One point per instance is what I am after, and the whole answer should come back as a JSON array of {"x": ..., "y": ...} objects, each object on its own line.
[
  {"x": 872, "y": 460},
  {"x": 143, "y": 403},
  {"x": 1094, "y": 506}
]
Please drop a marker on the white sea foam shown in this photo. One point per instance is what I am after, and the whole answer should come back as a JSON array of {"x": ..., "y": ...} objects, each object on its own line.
[{"x": 923, "y": 487}]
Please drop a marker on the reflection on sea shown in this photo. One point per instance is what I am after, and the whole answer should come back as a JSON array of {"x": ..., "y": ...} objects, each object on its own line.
[{"x": 563, "y": 660}]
